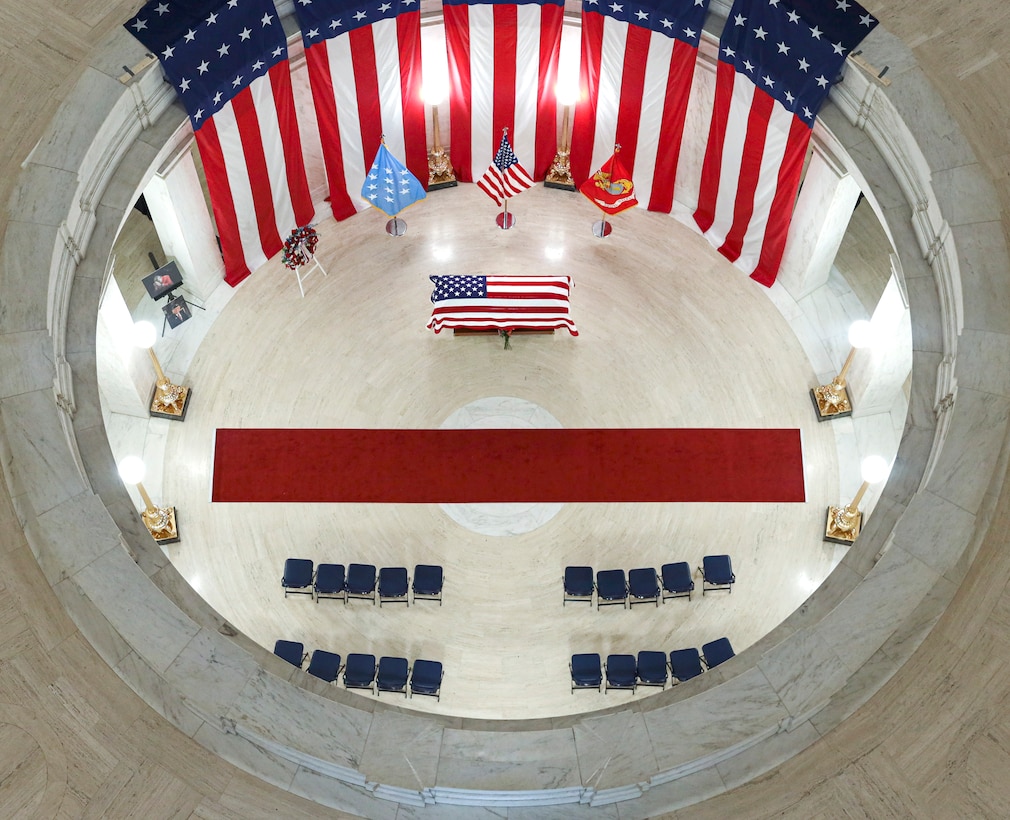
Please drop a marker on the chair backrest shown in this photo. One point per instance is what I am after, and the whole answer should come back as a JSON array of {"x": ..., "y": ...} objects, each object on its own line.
[
  {"x": 393, "y": 581},
  {"x": 393, "y": 673},
  {"x": 361, "y": 577},
  {"x": 427, "y": 579},
  {"x": 611, "y": 583},
  {"x": 587, "y": 670},
  {"x": 643, "y": 582},
  {"x": 291, "y": 651},
  {"x": 297, "y": 573},
  {"x": 717, "y": 651},
  {"x": 579, "y": 580},
  {"x": 677, "y": 577},
  {"x": 685, "y": 663},
  {"x": 426, "y": 677},
  {"x": 324, "y": 665},
  {"x": 622, "y": 670},
  {"x": 330, "y": 578},
  {"x": 652, "y": 667},
  {"x": 360, "y": 669},
  {"x": 718, "y": 569}
]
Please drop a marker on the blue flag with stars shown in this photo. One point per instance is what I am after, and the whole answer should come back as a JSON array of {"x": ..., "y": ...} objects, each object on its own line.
[{"x": 389, "y": 186}]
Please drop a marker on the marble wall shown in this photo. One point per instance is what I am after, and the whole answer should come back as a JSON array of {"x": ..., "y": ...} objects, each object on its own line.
[{"x": 697, "y": 740}]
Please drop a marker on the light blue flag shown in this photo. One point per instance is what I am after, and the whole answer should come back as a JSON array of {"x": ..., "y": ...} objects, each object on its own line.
[{"x": 389, "y": 186}]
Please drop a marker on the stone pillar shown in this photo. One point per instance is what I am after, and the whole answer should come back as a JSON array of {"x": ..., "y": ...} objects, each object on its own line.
[
  {"x": 179, "y": 211},
  {"x": 125, "y": 375},
  {"x": 823, "y": 210},
  {"x": 880, "y": 372}
]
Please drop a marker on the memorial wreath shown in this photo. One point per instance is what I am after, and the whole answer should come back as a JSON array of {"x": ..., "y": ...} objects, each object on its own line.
[{"x": 299, "y": 247}]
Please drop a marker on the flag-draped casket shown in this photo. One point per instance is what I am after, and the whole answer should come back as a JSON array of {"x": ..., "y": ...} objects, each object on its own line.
[
  {"x": 635, "y": 81},
  {"x": 503, "y": 68},
  {"x": 228, "y": 61},
  {"x": 777, "y": 62},
  {"x": 364, "y": 65}
]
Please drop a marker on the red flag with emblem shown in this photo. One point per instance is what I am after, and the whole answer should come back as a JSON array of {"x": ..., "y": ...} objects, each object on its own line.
[{"x": 611, "y": 188}]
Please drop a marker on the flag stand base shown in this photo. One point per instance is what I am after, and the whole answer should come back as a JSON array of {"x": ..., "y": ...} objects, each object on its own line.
[
  {"x": 505, "y": 220},
  {"x": 602, "y": 229},
  {"x": 396, "y": 227}
]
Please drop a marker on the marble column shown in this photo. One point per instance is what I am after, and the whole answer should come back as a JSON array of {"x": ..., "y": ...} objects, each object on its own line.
[
  {"x": 124, "y": 370},
  {"x": 181, "y": 217},
  {"x": 822, "y": 214},
  {"x": 881, "y": 371}
]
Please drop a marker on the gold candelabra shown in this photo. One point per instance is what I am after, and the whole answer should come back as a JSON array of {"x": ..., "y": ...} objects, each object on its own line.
[{"x": 560, "y": 173}]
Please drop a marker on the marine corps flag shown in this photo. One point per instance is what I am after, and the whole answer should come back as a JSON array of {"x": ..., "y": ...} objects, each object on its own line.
[{"x": 611, "y": 188}]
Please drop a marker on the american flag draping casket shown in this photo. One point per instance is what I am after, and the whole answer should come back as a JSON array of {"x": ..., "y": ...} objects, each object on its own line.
[{"x": 501, "y": 303}]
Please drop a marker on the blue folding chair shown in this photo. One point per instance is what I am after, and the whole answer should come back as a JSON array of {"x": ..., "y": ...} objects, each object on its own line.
[
  {"x": 717, "y": 573},
  {"x": 330, "y": 582},
  {"x": 622, "y": 672},
  {"x": 587, "y": 671},
  {"x": 297, "y": 578},
  {"x": 393, "y": 585},
  {"x": 611, "y": 588},
  {"x": 291, "y": 651},
  {"x": 652, "y": 669},
  {"x": 685, "y": 664},
  {"x": 392, "y": 676},
  {"x": 677, "y": 580},
  {"x": 359, "y": 671},
  {"x": 426, "y": 679},
  {"x": 361, "y": 581},
  {"x": 578, "y": 583},
  {"x": 324, "y": 665},
  {"x": 428, "y": 581},
  {"x": 643, "y": 586},
  {"x": 716, "y": 652}
]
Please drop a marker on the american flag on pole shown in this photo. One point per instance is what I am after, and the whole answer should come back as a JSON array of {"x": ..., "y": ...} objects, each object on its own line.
[
  {"x": 505, "y": 177},
  {"x": 626, "y": 49},
  {"x": 364, "y": 64},
  {"x": 501, "y": 302},
  {"x": 228, "y": 61},
  {"x": 503, "y": 67},
  {"x": 777, "y": 62}
]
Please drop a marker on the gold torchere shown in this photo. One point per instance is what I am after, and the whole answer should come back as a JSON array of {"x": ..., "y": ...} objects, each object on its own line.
[
  {"x": 168, "y": 401},
  {"x": 843, "y": 523},
  {"x": 440, "y": 174},
  {"x": 831, "y": 400},
  {"x": 560, "y": 173},
  {"x": 160, "y": 521}
]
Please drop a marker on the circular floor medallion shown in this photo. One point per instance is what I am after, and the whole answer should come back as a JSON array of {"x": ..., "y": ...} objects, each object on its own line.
[{"x": 501, "y": 412}]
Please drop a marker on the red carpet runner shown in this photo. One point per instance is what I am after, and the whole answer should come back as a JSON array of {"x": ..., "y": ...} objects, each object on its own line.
[{"x": 516, "y": 465}]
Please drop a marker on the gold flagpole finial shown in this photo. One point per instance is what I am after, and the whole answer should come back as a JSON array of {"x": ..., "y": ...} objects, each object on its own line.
[
  {"x": 617, "y": 147},
  {"x": 505, "y": 130}
]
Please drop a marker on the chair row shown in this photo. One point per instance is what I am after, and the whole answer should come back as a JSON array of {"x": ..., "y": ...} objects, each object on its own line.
[
  {"x": 389, "y": 585},
  {"x": 362, "y": 672},
  {"x": 645, "y": 585},
  {"x": 648, "y": 669}
]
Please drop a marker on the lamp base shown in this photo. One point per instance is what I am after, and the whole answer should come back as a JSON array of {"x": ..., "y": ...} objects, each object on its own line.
[
  {"x": 505, "y": 220},
  {"x": 170, "y": 401},
  {"x": 831, "y": 401},
  {"x": 602, "y": 229},
  {"x": 560, "y": 173},
  {"x": 842, "y": 525},
  {"x": 162, "y": 524},
  {"x": 396, "y": 227},
  {"x": 440, "y": 173}
]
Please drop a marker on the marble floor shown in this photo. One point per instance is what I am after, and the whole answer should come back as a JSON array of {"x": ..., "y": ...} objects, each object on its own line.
[{"x": 670, "y": 335}]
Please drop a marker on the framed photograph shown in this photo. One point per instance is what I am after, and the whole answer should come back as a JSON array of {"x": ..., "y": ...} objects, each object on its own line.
[
  {"x": 163, "y": 281},
  {"x": 177, "y": 311}
]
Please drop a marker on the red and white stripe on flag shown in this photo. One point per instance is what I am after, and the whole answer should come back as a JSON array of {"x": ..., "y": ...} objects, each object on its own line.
[
  {"x": 252, "y": 158},
  {"x": 622, "y": 56},
  {"x": 503, "y": 68},
  {"x": 751, "y": 174},
  {"x": 366, "y": 83},
  {"x": 502, "y": 185}
]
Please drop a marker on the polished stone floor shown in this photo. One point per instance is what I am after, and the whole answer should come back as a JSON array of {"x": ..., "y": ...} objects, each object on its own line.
[{"x": 670, "y": 335}]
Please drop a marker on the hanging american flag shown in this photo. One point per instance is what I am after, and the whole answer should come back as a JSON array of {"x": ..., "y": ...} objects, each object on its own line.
[
  {"x": 364, "y": 64},
  {"x": 228, "y": 61},
  {"x": 503, "y": 67},
  {"x": 626, "y": 49},
  {"x": 505, "y": 177},
  {"x": 501, "y": 302},
  {"x": 777, "y": 62}
]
